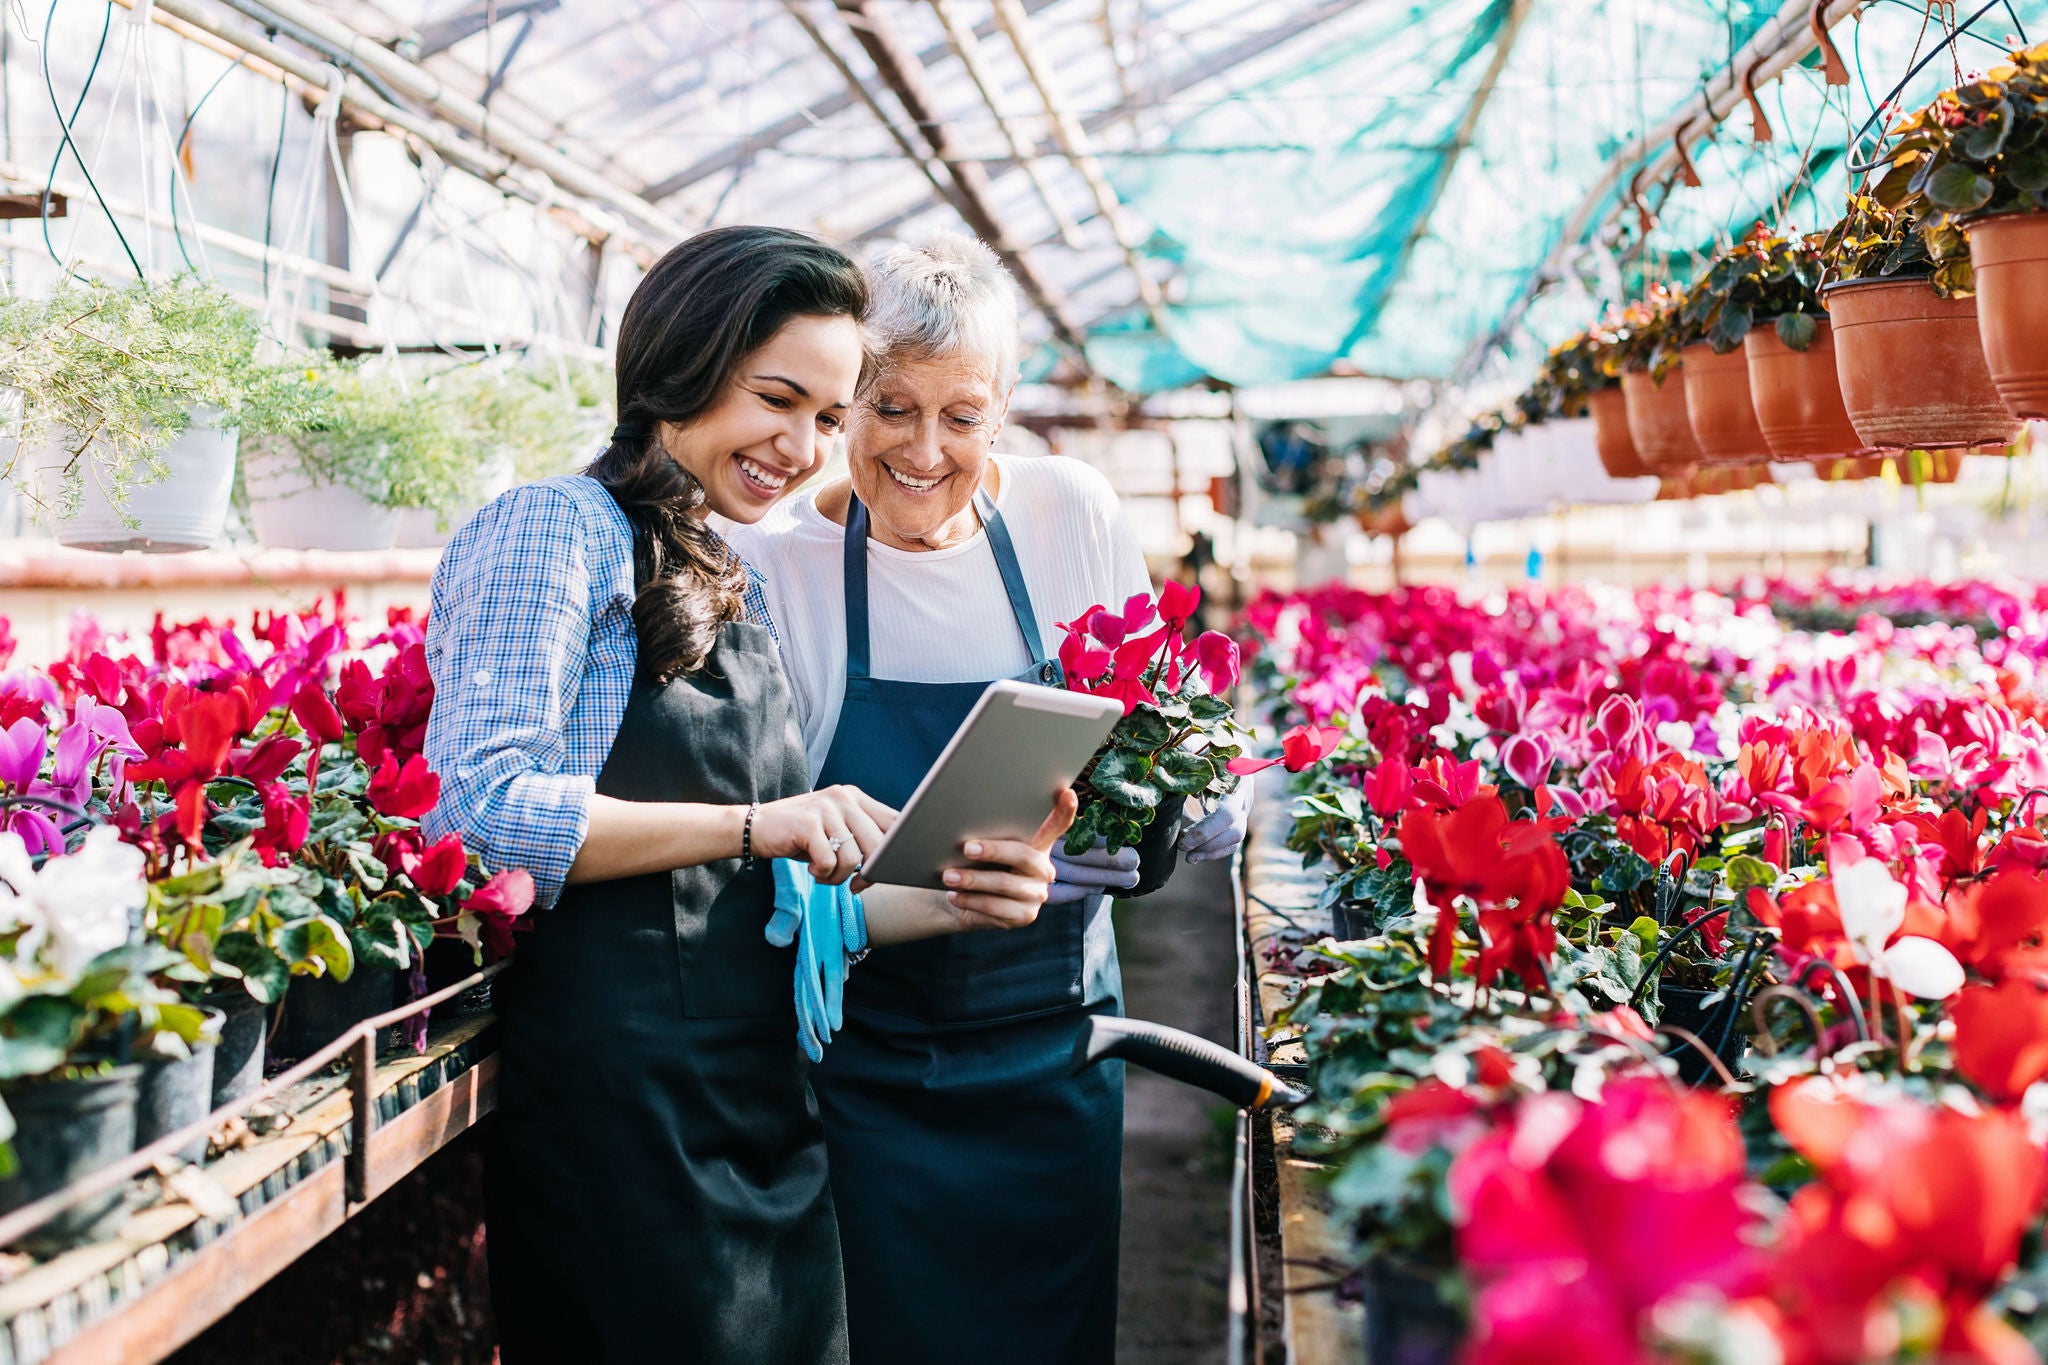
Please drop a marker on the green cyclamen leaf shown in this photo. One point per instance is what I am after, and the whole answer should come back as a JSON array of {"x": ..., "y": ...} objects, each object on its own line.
[
  {"x": 1183, "y": 773},
  {"x": 1958, "y": 189}
]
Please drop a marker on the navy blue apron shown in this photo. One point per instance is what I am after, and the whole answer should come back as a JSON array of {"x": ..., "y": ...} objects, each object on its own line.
[{"x": 978, "y": 1185}]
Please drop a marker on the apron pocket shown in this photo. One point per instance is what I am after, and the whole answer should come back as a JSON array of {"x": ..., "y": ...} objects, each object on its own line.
[{"x": 729, "y": 968}]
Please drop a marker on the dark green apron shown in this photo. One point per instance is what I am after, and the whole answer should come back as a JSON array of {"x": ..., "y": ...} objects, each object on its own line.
[
  {"x": 656, "y": 1188},
  {"x": 978, "y": 1185}
]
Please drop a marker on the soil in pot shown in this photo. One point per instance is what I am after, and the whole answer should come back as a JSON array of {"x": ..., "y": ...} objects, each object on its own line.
[
  {"x": 319, "y": 1009},
  {"x": 1912, "y": 368},
  {"x": 288, "y": 511},
  {"x": 1798, "y": 395},
  {"x": 238, "y": 1058},
  {"x": 1611, "y": 435},
  {"x": 66, "y": 1130},
  {"x": 1717, "y": 404},
  {"x": 1407, "y": 1321},
  {"x": 2009, "y": 252},
  {"x": 1657, "y": 421},
  {"x": 175, "y": 1093}
]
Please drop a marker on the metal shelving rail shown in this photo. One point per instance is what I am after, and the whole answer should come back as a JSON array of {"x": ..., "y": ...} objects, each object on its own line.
[
  {"x": 201, "y": 1238},
  {"x": 1279, "y": 897}
]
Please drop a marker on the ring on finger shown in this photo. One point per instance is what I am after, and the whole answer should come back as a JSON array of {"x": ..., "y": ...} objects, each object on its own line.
[{"x": 841, "y": 842}]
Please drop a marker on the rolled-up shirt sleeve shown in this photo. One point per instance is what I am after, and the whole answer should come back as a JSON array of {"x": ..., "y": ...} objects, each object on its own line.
[{"x": 508, "y": 644}]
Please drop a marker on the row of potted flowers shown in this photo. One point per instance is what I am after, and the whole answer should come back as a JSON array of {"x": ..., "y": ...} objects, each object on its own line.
[
  {"x": 1911, "y": 330},
  {"x": 137, "y": 415},
  {"x": 1688, "y": 998},
  {"x": 210, "y": 849}
]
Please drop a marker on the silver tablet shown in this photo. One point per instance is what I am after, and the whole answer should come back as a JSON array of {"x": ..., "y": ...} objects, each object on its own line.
[{"x": 997, "y": 778}]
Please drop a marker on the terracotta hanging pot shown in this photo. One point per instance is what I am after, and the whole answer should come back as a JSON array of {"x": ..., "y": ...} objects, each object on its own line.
[
  {"x": 1384, "y": 521},
  {"x": 2010, "y": 255},
  {"x": 1912, "y": 368},
  {"x": 1610, "y": 434},
  {"x": 1717, "y": 403},
  {"x": 1657, "y": 421},
  {"x": 1798, "y": 395}
]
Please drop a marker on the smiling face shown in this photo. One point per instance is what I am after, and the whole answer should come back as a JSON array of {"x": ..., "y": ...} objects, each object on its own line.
[
  {"x": 918, "y": 447},
  {"x": 767, "y": 432}
]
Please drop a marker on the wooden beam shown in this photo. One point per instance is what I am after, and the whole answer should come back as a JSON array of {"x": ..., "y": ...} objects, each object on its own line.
[{"x": 970, "y": 194}]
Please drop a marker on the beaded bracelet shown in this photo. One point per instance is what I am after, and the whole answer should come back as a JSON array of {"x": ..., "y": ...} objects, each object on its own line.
[{"x": 747, "y": 835}]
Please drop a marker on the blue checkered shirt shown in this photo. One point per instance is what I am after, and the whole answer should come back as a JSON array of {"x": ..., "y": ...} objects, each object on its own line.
[{"x": 530, "y": 641}]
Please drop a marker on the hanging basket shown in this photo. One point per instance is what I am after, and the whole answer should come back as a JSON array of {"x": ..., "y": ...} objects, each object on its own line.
[
  {"x": 289, "y": 511},
  {"x": 187, "y": 510},
  {"x": 1912, "y": 368},
  {"x": 1798, "y": 395},
  {"x": 2010, "y": 255},
  {"x": 1657, "y": 421},
  {"x": 1610, "y": 433},
  {"x": 1718, "y": 405}
]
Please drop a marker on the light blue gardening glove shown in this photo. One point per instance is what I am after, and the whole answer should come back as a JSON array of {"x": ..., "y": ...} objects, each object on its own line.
[
  {"x": 1218, "y": 834},
  {"x": 829, "y": 927},
  {"x": 1091, "y": 873}
]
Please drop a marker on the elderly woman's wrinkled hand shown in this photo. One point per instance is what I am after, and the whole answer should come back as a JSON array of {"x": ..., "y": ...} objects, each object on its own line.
[{"x": 1013, "y": 877}]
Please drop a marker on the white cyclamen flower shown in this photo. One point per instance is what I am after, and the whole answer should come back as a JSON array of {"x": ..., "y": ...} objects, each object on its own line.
[
  {"x": 88, "y": 897},
  {"x": 1873, "y": 906}
]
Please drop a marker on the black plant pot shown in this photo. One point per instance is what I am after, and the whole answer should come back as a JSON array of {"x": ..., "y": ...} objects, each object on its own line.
[
  {"x": 449, "y": 960},
  {"x": 1686, "y": 1008},
  {"x": 1353, "y": 919},
  {"x": 319, "y": 1009},
  {"x": 1159, "y": 847},
  {"x": 238, "y": 1060},
  {"x": 65, "y": 1130},
  {"x": 175, "y": 1093},
  {"x": 1407, "y": 1321}
]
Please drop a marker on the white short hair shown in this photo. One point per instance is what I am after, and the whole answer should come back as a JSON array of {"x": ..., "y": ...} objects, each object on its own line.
[{"x": 949, "y": 297}]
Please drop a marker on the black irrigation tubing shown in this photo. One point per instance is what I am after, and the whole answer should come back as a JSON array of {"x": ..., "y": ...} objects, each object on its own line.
[
  {"x": 1670, "y": 945},
  {"x": 1948, "y": 41},
  {"x": 1853, "y": 1002},
  {"x": 1738, "y": 990}
]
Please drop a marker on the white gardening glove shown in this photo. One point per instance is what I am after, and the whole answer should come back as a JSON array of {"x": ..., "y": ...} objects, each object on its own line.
[
  {"x": 1218, "y": 834},
  {"x": 1091, "y": 873}
]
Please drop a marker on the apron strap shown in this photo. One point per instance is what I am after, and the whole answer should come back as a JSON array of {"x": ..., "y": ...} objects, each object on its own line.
[
  {"x": 1013, "y": 575},
  {"x": 856, "y": 586}
]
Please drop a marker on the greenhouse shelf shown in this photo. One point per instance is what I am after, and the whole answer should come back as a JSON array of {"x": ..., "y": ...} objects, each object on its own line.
[
  {"x": 1317, "y": 1327},
  {"x": 172, "y": 1270}
]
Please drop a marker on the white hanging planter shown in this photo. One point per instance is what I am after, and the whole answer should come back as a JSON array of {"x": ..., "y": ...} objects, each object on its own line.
[
  {"x": 419, "y": 527},
  {"x": 185, "y": 511},
  {"x": 289, "y": 511}
]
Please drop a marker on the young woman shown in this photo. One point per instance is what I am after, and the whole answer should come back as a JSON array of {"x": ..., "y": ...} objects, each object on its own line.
[{"x": 611, "y": 715}]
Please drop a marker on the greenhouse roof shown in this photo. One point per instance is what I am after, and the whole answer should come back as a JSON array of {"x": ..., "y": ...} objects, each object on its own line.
[{"x": 1247, "y": 191}]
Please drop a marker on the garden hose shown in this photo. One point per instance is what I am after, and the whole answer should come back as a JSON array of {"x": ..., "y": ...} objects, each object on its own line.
[{"x": 1183, "y": 1057}]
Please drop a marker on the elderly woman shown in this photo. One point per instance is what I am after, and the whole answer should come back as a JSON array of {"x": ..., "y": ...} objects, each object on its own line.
[{"x": 957, "y": 1140}]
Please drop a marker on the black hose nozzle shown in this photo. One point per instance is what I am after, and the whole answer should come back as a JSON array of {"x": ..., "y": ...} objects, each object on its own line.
[{"x": 1182, "y": 1057}]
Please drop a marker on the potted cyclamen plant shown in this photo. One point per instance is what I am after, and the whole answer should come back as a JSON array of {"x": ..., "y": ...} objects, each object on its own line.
[
  {"x": 1907, "y": 347},
  {"x": 1975, "y": 163},
  {"x": 80, "y": 997},
  {"x": 1584, "y": 374},
  {"x": 1179, "y": 736},
  {"x": 1177, "y": 733}
]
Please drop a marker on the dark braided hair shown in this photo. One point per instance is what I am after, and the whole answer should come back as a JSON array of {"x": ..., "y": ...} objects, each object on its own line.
[{"x": 695, "y": 317}]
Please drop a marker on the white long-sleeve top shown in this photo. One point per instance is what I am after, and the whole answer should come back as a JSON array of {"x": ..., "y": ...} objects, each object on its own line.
[{"x": 940, "y": 615}]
